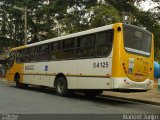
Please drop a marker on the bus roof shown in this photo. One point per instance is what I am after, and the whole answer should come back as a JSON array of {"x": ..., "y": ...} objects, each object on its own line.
[
  {"x": 94, "y": 30},
  {"x": 107, "y": 27}
]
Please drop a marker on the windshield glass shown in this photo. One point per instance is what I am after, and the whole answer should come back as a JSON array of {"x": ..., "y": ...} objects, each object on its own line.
[
  {"x": 10, "y": 60},
  {"x": 137, "y": 40}
]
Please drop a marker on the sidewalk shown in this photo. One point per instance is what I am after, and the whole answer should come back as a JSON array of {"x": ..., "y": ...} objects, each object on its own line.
[{"x": 149, "y": 97}]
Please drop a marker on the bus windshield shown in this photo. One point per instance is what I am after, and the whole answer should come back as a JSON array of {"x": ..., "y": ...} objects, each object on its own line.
[{"x": 137, "y": 41}]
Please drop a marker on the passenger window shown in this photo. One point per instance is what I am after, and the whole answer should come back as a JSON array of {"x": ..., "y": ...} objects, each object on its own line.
[
  {"x": 104, "y": 43},
  {"x": 55, "y": 46},
  {"x": 44, "y": 48},
  {"x": 19, "y": 57},
  {"x": 67, "y": 44},
  {"x": 11, "y": 59},
  {"x": 85, "y": 46},
  {"x": 86, "y": 41},
  {"x": 55, "y": 50},
  {"x": 67, "y": 51}
]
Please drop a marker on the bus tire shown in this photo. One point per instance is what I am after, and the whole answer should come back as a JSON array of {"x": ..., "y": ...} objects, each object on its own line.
[
  {"x": 61, "y": 86},
  {"x": 17, "y": 80}
]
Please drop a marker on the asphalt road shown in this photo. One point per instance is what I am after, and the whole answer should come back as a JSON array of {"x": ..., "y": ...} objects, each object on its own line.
[{"x": 37, "y": 101}]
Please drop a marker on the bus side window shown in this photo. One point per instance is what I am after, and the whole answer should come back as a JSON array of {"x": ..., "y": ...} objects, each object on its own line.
[
  {"x": 54, "y": 50},
  {"x": 43, "y": 51},
  {"x": 27, "y": 56},
  {"x": 67, "y": 51},
  {"x": 32, "y": 54},
  {"x": 24, "y": 55},
  {"x": 36, "y": 53},
  {"x": 11, "y": 59},
  {"x": 85, "y": 46},
  {"x": 44, "y": 48},
  {"x": 19, "y": 58},
  {"x": 104, "y": 43}
]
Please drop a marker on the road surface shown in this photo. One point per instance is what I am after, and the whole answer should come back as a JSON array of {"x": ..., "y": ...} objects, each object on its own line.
[{"x": 38, "y": 101}]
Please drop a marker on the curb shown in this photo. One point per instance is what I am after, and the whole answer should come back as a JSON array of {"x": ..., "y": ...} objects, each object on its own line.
[{"x": 133, "y": 99}]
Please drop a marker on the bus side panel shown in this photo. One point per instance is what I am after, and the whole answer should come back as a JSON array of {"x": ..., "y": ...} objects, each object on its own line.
[
  {"x": 88, "y": 76},
  {"x": 94, "y": 73},
  {"x": 44, "y": 73}
]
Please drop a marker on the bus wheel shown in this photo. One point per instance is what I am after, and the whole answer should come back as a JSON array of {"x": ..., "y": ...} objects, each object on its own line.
[
  {"x": 18, "y": 84},
  {"x": 61, "y": 86}
]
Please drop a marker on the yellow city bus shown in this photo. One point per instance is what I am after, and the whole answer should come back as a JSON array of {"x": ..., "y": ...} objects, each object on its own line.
[{"x": 112, "y": 57}]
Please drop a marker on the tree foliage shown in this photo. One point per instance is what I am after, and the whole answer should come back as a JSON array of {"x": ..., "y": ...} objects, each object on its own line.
[{"x": 50, "y": 18}]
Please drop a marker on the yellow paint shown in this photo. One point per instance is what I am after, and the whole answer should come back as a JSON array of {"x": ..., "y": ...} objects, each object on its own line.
[
  {"x": 18, "y": 48},
  {"x": 117, "y": 44},
  {"x": 16, "y": 68},
  {"x": 120, "y": 61},
  {"x": 69, "y": 75}
]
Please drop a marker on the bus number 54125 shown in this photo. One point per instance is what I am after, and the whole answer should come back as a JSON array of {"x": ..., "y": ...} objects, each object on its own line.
[{"x": 100, "y": 65}]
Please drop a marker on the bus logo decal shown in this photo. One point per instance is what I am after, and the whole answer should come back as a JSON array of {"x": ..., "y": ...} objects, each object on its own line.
[
  {"x": 46, "y": 68},
  {"x": 29, "y": 67}
]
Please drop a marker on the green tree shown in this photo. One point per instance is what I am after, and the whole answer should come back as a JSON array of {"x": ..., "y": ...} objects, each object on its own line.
[{"x": 103, "y": 14}]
